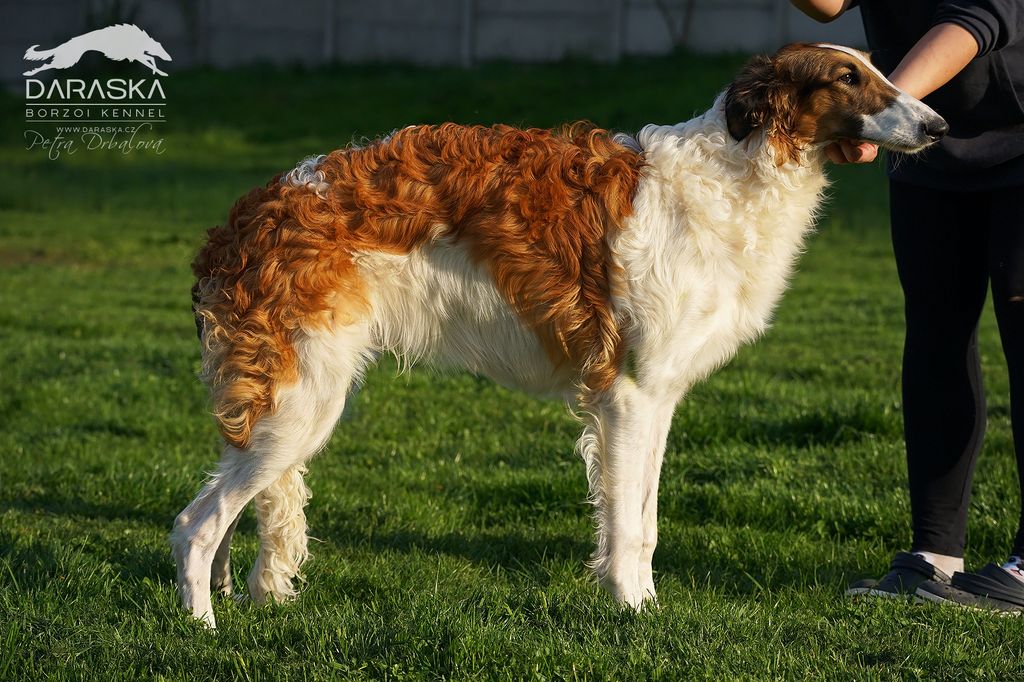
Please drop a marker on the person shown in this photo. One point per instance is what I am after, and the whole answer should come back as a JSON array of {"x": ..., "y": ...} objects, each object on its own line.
[{"x": 957, "y": 219}]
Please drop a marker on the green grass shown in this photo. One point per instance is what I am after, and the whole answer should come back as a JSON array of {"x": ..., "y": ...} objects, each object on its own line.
[{"x": 449, "y": 513}]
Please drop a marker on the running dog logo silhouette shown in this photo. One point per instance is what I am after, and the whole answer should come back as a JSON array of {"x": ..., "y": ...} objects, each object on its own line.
[
  {"x": 116, "y": 114},
  {"x": 117, "y": 42}
]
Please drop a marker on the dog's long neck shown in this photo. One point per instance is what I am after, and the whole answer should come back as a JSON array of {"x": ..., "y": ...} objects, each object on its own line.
[
  {"x": 703, "y": 185},
  {"x": 716, "y": 228}
]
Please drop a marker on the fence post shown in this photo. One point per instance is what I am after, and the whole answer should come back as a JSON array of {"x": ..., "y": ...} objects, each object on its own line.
[
  {"x": 330, "y": 26},
  {"x": 468, "y": 37},
  {"x": 618, "y": 29}
]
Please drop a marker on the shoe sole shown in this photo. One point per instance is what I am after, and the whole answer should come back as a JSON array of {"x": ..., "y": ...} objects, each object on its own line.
[
  {"x": 854, "y": 592},
  {"x": 925, "y": 596}
]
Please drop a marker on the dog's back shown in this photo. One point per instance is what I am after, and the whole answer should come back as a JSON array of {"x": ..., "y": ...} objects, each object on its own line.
[{"x": 443, "y": 239}]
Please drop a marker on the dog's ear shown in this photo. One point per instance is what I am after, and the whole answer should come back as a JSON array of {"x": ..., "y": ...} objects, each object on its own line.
[
  {"x": 751, "y": 97},
  {"x": 764, "y": 95}
]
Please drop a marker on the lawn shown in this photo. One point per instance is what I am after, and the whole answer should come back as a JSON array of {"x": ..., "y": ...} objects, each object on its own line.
[{"x": 449, "y": 513}]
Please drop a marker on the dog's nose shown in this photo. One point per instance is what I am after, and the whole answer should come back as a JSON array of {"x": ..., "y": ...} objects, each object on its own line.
[{"x": 935, "y": 129}]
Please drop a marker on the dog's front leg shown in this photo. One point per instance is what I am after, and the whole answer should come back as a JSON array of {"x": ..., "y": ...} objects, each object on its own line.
[
  {"x": 623, "y": 442},
  {"x": 151, "y": 63},
  {"x": 660, "y": 424}
]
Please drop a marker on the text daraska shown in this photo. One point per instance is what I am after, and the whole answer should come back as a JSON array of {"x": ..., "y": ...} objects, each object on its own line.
[{"x": 113, "y": 89}]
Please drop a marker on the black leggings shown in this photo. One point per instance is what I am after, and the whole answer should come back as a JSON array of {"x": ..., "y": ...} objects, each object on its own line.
[{"x": 949, "y": 246}]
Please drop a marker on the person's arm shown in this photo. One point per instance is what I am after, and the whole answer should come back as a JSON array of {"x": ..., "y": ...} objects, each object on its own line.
[
  {"x": 822, "y": 10},
  {"x": 939, "y": 55},
  {"x": 995, "y": 24}
]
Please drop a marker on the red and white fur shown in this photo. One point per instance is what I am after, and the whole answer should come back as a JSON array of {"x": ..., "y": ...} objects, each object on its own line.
[{"x": 695, "y": 231}]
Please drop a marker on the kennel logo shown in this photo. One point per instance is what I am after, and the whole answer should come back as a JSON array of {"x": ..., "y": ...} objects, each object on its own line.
[{"x": 66, "y": 115}]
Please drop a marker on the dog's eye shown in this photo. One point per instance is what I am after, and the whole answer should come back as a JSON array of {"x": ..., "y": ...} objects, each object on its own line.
[{"x": 850, "y": 78}]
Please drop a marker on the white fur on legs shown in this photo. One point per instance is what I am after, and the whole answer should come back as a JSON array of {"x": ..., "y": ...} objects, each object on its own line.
[
  {"x": 281, "y": 518},
  {"x": 329, "y": 362},
  {"x": 660, "y": 423},
  {"x": 220, "y": 572},
  {"x": 202, "y": 525},
  {"x": 303, "y": 417},
  {"x": 624, "y": 433}
]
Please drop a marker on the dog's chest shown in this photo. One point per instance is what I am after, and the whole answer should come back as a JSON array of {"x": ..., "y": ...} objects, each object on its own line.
[
  {"x": 699, "y": 289},
  {"x": 732, "y": 305}
]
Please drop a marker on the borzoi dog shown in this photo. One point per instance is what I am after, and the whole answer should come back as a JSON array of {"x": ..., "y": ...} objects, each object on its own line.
[{"x": 611, "y": 271}]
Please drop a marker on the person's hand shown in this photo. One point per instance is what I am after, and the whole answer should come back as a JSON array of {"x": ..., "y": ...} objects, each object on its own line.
[{"x": 851, "y": 151}]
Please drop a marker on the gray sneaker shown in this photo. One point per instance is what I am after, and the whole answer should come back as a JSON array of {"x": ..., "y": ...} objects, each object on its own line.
[
  {"x": 990, "y": 589},
  {"x": 907, "y": 574}
]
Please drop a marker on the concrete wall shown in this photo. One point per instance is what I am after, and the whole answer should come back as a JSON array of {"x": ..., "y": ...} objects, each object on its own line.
[
  {"x": 733, "y": 25},
  {"x": 227, "y": 33}
]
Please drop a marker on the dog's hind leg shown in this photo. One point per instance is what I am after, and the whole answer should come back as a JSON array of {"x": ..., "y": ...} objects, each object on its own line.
[
  {"x": 44, "y": 67},
  {"x": 59, "y": 57},
  {"x": 220, "y": 573},
  {"x": 282, "y": 441},
  {"x": 330, "y": 364},
  {"x": 281, "y": 518},
  {"x": 625, "y": 429},
  {"x": 202, "y": 525}
]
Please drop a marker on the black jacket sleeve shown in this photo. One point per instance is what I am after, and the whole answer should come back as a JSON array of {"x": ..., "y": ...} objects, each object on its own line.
[{"x": 993, "y": 23}]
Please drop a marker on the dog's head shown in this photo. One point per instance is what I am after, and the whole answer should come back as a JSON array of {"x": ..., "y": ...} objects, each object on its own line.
[
  {"x": 157, "y": 50},
  {"x": 807, "y": 95},
  {"x": 154, "y": 48}
]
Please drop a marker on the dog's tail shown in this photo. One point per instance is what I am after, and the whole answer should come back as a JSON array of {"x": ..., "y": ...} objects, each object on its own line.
[
  {"x": 281, "y": 520},
  {"x": 35, "y": 55}
]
